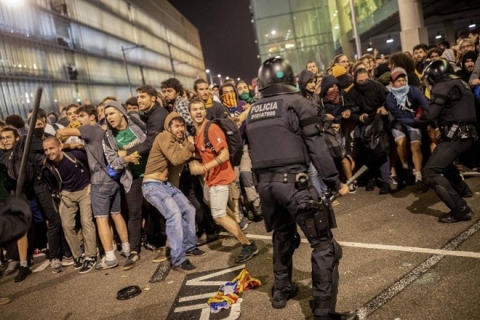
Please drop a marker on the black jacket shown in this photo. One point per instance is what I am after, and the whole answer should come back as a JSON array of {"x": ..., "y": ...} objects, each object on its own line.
[
  {"x": 463, "y": 73},
  {"x": 303, "y": 78},
  {"x": 328, "y": 106},
  {"x": 155, "y": 120},
  {"x": 451, "y": 101},
  {"x": 218, "y": 110},
  {"x": 367, "y": 101}
]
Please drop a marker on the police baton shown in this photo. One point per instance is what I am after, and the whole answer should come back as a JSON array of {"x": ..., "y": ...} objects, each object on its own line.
[
  {"x": 357, "y": 175},
  {"x": 28, "y": 143}
]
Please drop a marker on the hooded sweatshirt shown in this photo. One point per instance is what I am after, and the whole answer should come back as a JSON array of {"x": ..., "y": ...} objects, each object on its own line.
[
  {"x": 168, "y": 155},
  {"x": 111, "y": 149},
  {"x": 463, "y": 73},
  {"x": 304, "y": 78},
  {"x": 335, "y": 109}
]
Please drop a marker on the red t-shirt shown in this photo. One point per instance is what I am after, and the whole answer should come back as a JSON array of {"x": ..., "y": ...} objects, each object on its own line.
[{"x": 224, "y": 173}]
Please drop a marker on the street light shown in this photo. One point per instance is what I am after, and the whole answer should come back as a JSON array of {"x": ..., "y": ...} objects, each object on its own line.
[
  {"x": 209, "y": 75},
  {"x": 220, "y": 78},
  {"x": 124, "y": 50}
]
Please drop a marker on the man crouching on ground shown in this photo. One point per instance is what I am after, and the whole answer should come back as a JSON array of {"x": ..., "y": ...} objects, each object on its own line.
[{"x": 169, "y": 152}]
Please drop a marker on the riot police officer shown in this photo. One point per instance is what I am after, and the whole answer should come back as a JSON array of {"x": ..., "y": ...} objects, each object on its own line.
[
  {"x": 284, "y": 133},
  {"x": 452, "y": 105}
]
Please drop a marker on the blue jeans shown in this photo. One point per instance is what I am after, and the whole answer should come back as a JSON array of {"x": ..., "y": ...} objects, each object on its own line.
[
  {"x": 179, "y": 217},
  {"x": 317, "y": 182}
]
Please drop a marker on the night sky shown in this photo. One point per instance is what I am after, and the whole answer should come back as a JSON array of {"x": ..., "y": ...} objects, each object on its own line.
[{"x": 226, "y": 34}]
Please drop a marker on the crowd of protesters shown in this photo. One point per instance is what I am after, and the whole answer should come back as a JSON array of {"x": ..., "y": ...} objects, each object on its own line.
[{"x": 125, "y": 175}]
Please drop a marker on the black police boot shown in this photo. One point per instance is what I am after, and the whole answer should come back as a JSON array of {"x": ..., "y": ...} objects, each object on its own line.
[
  {"x": 464, "y": 215},
  {"x": 385, "y": 188},
  {"x": 342, "y": 316},
  {"x": 280, "y": 298}
]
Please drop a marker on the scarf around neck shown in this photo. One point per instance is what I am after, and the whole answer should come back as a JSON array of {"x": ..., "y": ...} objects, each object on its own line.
[{"x": 400, "y": 94}]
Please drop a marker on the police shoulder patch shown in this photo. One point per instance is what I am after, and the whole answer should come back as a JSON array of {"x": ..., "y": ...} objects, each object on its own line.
[{"x": 265, "y": 110}]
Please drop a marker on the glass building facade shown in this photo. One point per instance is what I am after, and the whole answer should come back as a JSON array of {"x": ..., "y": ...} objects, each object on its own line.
[
  {"x": 299, "y": 30},
  {"x": 73, "y": 49},
  {"x": 304, "y": 30}
]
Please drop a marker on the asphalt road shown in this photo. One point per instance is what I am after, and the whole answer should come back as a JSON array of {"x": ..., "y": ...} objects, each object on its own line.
[{"x": 398, "y": 263}]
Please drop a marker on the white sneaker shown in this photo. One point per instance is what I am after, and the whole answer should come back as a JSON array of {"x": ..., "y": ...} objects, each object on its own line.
[
  {"x": 106, "y": 264},
  {"x": 352, "y": 188},
  {"x": 56, "y": 266}
]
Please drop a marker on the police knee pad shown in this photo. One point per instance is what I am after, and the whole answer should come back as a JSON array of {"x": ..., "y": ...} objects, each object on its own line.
[{"x": 247, "y": 179}]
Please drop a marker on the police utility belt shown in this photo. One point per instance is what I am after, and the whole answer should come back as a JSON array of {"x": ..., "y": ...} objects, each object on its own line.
[
  {"x": 457, "y": 131},
  {"x": 282, "y": 177},
  {"x": 317, "y": 214},
  {"x": 301, "y": 179}
]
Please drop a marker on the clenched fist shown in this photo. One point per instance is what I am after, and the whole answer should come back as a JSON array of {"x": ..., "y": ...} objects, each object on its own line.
[
  {"x": 195, "y": 168},
  {"x": 343, "y": 189}
]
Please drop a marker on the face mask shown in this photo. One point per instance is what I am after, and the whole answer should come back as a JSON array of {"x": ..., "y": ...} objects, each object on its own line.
[
  {"x": 38, "y": 132},
  {"x": 245, "y": 96},
  {"x": 362, "y": 86},
  {"x": 229, "y": 99}
]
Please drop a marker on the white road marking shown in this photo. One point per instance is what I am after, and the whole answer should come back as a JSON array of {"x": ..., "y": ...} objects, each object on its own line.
[
  {"x": 43, "y": 266},
  {"x": 466, "y": 254},
  {"x": 437, "y": 255},
  {"x": 198, "y": 297},
  {"x": 443, "y": 252},
  {"x": 192, "y": 307},
  {"x": 387, "y": 294},
  {"x": 200, "y": 280},
  {"x": 205, "y": 315}
]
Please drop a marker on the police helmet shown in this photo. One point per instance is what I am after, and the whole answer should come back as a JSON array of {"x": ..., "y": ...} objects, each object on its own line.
[
  {"x": 275, "y": 76},
  {"x": 437, "y": 71}
]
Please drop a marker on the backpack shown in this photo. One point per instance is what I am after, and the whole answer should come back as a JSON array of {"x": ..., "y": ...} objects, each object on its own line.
[
  {"x": 335, "y": 142},
  {"x": 233, "y": 136},
  {"x": 375, "y": 139}
]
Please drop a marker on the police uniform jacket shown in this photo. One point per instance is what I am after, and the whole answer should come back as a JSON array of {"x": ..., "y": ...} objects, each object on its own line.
[
  {"x": 284, "y": 135},
  {"x": 451, "y": 101}
]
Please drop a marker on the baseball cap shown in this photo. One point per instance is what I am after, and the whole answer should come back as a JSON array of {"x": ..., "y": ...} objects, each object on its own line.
[{"x": 397, "y": 72}]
